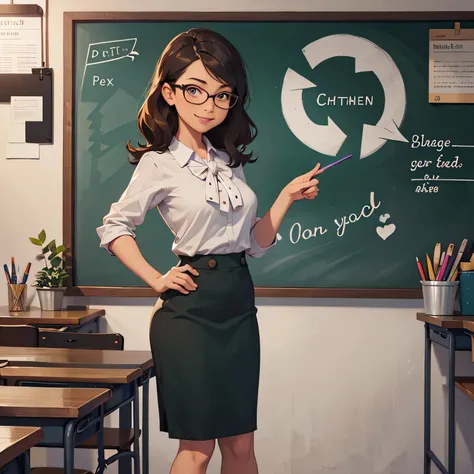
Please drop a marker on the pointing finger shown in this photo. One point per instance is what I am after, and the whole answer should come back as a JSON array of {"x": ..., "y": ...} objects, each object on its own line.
[{"x": 315, "y": 171}]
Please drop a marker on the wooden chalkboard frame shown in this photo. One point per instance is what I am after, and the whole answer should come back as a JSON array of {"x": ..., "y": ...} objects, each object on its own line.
[{"x": 70, "y": 20}]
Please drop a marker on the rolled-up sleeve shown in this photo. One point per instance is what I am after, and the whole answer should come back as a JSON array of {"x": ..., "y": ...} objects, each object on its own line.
[
  {"x": 145, "y": 191},
  {"x": 255, "y": 250}
]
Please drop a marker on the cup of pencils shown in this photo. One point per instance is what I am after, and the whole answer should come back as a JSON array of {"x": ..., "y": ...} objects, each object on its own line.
[
  {"x": 439, "y": 281},
  {"x": 17, "y": 288},
  {"x": 16, "y": 297}
]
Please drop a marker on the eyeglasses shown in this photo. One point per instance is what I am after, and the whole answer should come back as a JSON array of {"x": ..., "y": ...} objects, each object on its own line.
[{"x": 197, "y": 96}]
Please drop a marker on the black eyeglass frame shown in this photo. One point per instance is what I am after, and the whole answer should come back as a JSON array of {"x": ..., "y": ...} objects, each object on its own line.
[{"x": 183, "y": 87}]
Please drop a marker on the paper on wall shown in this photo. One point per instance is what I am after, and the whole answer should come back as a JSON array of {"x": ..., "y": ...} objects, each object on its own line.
[
  {"x": 23, "y": 109},
  {"x": 22, "y": 150}
]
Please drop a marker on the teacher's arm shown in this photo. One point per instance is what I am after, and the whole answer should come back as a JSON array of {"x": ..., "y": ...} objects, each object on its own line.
[
  {"x": 302, "y": 187},
  {"x": 145, "y": 191}
]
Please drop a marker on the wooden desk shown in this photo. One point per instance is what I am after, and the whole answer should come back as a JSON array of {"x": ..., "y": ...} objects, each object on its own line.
[
  {"x": 15, "y": 445},
  {"x": 446, "y": 322},
  {"x": 123, "y": 384},
  {"x": 448, "y": 332},
  {"x": 36, "y": 402},
  {"x": 469, "y": 325},
  {"x": 466, "y": 385},
  {"x": 67, "y": 416},
  {"x": 78, "y": 320},
  {"x": 80, "y": 358},
  {"x": 14, "y": 374},
  {"x": 51, "y": 357}
]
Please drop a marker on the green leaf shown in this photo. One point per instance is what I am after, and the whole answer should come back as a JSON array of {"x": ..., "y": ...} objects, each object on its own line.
[
  {"x": 56, "y": 262},
  {"x": 42, "y": 236},
  {"x": 35, "y": 241},
  {"x": 60, "y": 249},
  {"x": 52, "y": 245}
]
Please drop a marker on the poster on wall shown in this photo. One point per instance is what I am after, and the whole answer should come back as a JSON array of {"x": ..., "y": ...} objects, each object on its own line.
[{"x": 451, "y": 73}]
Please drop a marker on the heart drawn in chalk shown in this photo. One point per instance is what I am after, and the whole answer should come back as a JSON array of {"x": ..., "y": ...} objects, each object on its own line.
[
  {"x": 384, "y": 218},
  {"x": 386, "y": 231}
]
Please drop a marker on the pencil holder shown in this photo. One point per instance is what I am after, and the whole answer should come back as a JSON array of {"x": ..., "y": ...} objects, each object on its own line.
[
  {"x": 439, "y": 297},
  {"x": 16, "y": 297}
]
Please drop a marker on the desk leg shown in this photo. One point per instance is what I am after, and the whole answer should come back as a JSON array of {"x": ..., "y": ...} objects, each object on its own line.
[
  {"x": 145, "y": 425},
  {"x": 136, "y": 427},
  {"x": 125, "y": 421},
  {"x": 26, "y": 462},
  {"x": 451, "y": 402},
  {"x": 69, "y": 432},
  {"x": 427, "y": 427}
]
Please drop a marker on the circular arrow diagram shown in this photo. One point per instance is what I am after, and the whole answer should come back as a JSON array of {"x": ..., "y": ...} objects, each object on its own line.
[
  {"x": 326, "y": 139},
  {"x": 368, "y": 57}
]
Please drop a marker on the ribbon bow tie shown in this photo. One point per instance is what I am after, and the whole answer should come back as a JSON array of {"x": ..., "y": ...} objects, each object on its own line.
[{"x": 220, "y": 188}]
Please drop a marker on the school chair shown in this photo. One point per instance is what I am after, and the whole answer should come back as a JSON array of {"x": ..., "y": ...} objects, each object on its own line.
[
  {"x": 22, "y": 335},
  {"x": 115, "y": 439}
]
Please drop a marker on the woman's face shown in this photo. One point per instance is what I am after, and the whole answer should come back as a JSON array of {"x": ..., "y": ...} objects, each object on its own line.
[{"x": 190, "y": 101}]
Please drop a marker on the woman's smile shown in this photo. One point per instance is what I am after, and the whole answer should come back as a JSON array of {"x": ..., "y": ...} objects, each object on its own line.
[{"x": 204, "y": 120}]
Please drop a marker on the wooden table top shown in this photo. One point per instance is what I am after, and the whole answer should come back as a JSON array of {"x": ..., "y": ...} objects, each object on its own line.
[
  {"x": 466, "y": 385},
  {"x": 70, "y": 374},
  {"x": 16, "y": 440},
  {"x": 47, "y": 357},
  {"x": 446, "y": 322},
  {"x": 51, "y": 402},
  {"x": 469, "y": 325},
  {"x": 34, "y": 316}
]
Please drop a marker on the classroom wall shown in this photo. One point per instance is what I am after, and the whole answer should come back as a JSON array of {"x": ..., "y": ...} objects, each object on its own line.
[{"x": 342, "y": 380}]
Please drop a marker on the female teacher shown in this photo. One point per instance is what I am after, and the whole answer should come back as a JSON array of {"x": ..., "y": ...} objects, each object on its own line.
[{"x": 204, "y": 337}]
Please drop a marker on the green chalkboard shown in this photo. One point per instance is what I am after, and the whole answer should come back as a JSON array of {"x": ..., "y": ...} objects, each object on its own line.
[{"x": 347, "y": 73}]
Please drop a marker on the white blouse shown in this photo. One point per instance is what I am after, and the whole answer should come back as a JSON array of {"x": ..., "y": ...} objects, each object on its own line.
[{"x": 207, "y": 205}]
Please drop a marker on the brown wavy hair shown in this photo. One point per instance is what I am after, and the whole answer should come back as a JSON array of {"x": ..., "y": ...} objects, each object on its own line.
[{"x": 158, "y": 122}]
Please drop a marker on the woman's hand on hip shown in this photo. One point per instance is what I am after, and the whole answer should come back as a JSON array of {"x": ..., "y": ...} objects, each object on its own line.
[
  {"x": 177, "y": 279},
  {"x": 304, "y": 186}
]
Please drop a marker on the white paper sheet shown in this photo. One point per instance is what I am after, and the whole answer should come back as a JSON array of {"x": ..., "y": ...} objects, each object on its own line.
[
  {"x": 26, "y": 109},
  {"x": 22, "y": 151},
  {"x": 41, "y": 3},
  {"x": 20, "y": 44},
  {"x": 17, "y": 133},
  {"x": 23, "y": 109}
]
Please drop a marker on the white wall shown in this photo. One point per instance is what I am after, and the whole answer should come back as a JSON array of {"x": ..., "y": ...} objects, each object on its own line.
[{"x": 342, "y": 380}]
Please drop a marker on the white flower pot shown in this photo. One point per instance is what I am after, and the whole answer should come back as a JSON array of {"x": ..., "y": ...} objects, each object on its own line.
[{"x": 51, "y": 299}]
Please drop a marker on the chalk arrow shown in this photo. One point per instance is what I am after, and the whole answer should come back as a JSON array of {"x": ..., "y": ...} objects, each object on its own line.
[
  {"x": 368, "y": 58},
  {"x": 326, "y": 139}
]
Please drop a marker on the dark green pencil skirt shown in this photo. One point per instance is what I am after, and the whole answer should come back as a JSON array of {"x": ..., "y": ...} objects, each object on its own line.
[{"x": 206, "y": 350}]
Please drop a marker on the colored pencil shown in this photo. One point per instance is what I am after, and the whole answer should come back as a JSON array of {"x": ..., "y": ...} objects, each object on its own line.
[
  {"x": 436, "y": 257},
  {"x": 441, "y": 260},
  {"x": 442, "y": 268},
  {"x": 430, "y": 268},
  {"x": 449, "y": 265},
  {"x": 420, "y": 269},
  {"x": 27, "y": 272},
  {"x": 7, "y": 274},
  {"x": 13, "y": 270},
  {"x": 458, "y": 258}
]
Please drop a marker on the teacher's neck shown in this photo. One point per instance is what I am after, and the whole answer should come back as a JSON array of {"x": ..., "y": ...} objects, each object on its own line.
[{"x": 192, "y": 139}]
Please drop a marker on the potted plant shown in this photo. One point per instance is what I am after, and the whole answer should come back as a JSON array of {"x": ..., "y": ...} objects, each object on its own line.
[{"x": 49, "y": 280}]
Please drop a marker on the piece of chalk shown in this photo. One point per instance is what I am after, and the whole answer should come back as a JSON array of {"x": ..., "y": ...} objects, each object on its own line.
[{"x": 336, "y": 162}]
